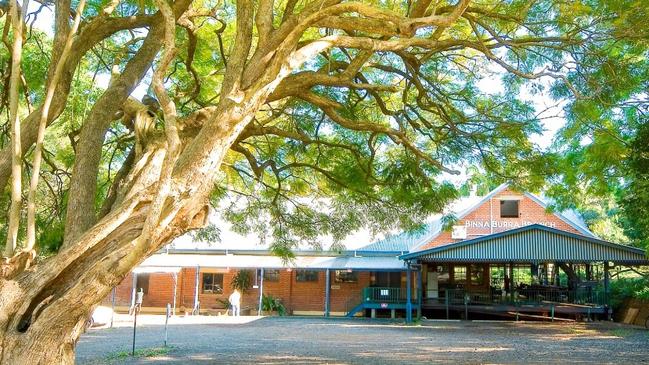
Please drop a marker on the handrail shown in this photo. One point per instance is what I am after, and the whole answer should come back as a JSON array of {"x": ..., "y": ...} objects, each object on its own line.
[
  {"x": 386, "y": 295},
  {"x": 530, "y": 296},
  {"x": 583, "y": 296}
]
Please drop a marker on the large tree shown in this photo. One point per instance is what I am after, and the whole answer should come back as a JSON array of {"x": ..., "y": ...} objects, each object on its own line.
[
  {"x": 602, "y": 163},
  {"x": 313, "y": 117}
]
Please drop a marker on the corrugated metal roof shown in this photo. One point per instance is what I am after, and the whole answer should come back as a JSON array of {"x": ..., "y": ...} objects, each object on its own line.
[
  {"x": 156, "y": 269},
  {"x": 273, "y": 262},
  {"x": 405, "y": 241},
  {"x": 535, "y": 243}
]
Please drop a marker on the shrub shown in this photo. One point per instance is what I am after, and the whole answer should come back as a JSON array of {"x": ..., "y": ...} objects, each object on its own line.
[
  {"x": 242, "y": 281},
  {"x": 270, "y": 303},
  {"x": 629, "y": 288}
]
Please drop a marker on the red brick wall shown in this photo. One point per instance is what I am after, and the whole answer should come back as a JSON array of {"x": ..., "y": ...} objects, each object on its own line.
[
  {"x": 529, "y": 212},
  {"x": 295, "y": 295},
  {"x": 282, "y": 288},
  {"x": 187, "y": 289},
  {"x": 122, "y": 293},
  {"x": 347, "y": 295},
  {"x": 309, "y": 296},
  {"x": 160, "y": 292}
]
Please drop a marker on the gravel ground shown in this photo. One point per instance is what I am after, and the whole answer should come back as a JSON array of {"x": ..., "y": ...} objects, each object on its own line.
[{"x": 294, "y": 340}]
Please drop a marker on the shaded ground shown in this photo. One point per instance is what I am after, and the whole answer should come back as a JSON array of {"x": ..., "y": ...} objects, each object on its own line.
[{"x": 358, "y": 341}]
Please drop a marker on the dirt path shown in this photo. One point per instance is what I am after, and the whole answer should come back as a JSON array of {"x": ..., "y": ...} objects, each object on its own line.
[{"x": 338, "y": 341}]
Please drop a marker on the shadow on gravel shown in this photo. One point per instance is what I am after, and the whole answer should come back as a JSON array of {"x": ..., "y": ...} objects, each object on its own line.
[{"x": 291, "y": 340}]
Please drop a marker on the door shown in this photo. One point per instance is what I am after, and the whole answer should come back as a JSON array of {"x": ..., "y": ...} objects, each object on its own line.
[{"x": 433, "y": 285}]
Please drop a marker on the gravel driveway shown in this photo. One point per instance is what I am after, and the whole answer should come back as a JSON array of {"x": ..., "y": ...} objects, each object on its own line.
[{"x": 294, "y": 340}]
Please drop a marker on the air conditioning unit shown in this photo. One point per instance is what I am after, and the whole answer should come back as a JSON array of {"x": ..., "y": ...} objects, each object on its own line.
[{"x": 458, "y": 232}]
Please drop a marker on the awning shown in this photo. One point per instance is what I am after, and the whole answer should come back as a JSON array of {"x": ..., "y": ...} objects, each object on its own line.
[
  {"x": 534, "y": 243},
  {"x": 390, "y": 263}
]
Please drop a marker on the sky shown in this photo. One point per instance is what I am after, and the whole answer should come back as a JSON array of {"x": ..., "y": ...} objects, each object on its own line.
[{"x": 550, "y": 118}]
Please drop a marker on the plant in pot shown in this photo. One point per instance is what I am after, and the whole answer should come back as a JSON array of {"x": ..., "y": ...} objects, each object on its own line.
[
  {"x": 271, "y": 305},
  {"x": 242, "y": 280}
]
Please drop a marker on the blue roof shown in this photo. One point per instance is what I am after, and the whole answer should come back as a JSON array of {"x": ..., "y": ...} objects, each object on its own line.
[
  {"x": 534, "y": 243},
  {"x": 405, "y": 241}
]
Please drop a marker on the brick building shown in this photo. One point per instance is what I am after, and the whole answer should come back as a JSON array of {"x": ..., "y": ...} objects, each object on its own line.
[{"x": 502, "y": 249}]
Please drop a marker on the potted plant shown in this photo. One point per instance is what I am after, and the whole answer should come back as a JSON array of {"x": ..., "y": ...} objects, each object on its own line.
[
  {"x": 271, "y": 305},
  {"x": 242, "y": 281}
]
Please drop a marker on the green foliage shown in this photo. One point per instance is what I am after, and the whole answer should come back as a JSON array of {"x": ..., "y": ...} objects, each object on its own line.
[
  {"x": 224, "y": 303},
  {"x": 629, "y": 288},
  {"x": 272, "y": 304},
  {"x": 448, "y": 221},
  {"x": 634, "y": 199},
  {"x": 595, "y": 147},
  {"x": 307, "y": 174},
  {"x": 140, "y": 353},
  {"x": 50, "y": 240},
  {"x": 210, "y": 234},
  {"x": 242, "y": 281}
]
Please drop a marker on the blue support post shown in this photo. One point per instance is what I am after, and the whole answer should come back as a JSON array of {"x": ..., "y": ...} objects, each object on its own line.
[
  {"x": 420, "y": 287},
  {"x": 606, "y": 281},
  {"x": 408, "y": 293},
  {"x": 261, "y": 291},
  {"x": 327, "y": 292}
]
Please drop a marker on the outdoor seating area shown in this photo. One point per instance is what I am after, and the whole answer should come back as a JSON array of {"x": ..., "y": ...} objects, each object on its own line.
[{"x": 530, "y": 269}]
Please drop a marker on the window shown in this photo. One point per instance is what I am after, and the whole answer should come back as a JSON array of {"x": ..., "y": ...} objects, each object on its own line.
[
  {"x": 459, "y": 274},
  {"x": 344, "y": 276},
  {"x": 442, "y": 274},
  {"x": 212, "y": 283},
  {"x": 271, "y": 275},
  {"x": 142, "y": 282},
  {"x": 477, "y": 275},
  {"x": 306, "y": 275},
  {"x": 509, "y": 209}
]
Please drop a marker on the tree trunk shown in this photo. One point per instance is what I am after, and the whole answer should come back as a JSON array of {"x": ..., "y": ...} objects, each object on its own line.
[
  {"x": 16, "y": 163},
  {"x": 43, "y": 309}
]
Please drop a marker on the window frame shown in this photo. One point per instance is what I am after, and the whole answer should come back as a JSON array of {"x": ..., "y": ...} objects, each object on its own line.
[
  {"x": 306, "y": 276},
  {"x": 443, "y": 274},
  {"x": 211, "y": 291},
  {"x": 274, "y": 278},
  {"x": 340, "y": 274},
  {"x": 464, "y": 272},
  {"x": 510, "y": 215},
  {"x": 480, "y": 270}
]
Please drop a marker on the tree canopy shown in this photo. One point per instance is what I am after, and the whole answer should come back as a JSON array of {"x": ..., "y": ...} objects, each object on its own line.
[
  {"x": 601, "y": 165},
  {"x": 293, "y": 118}
]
